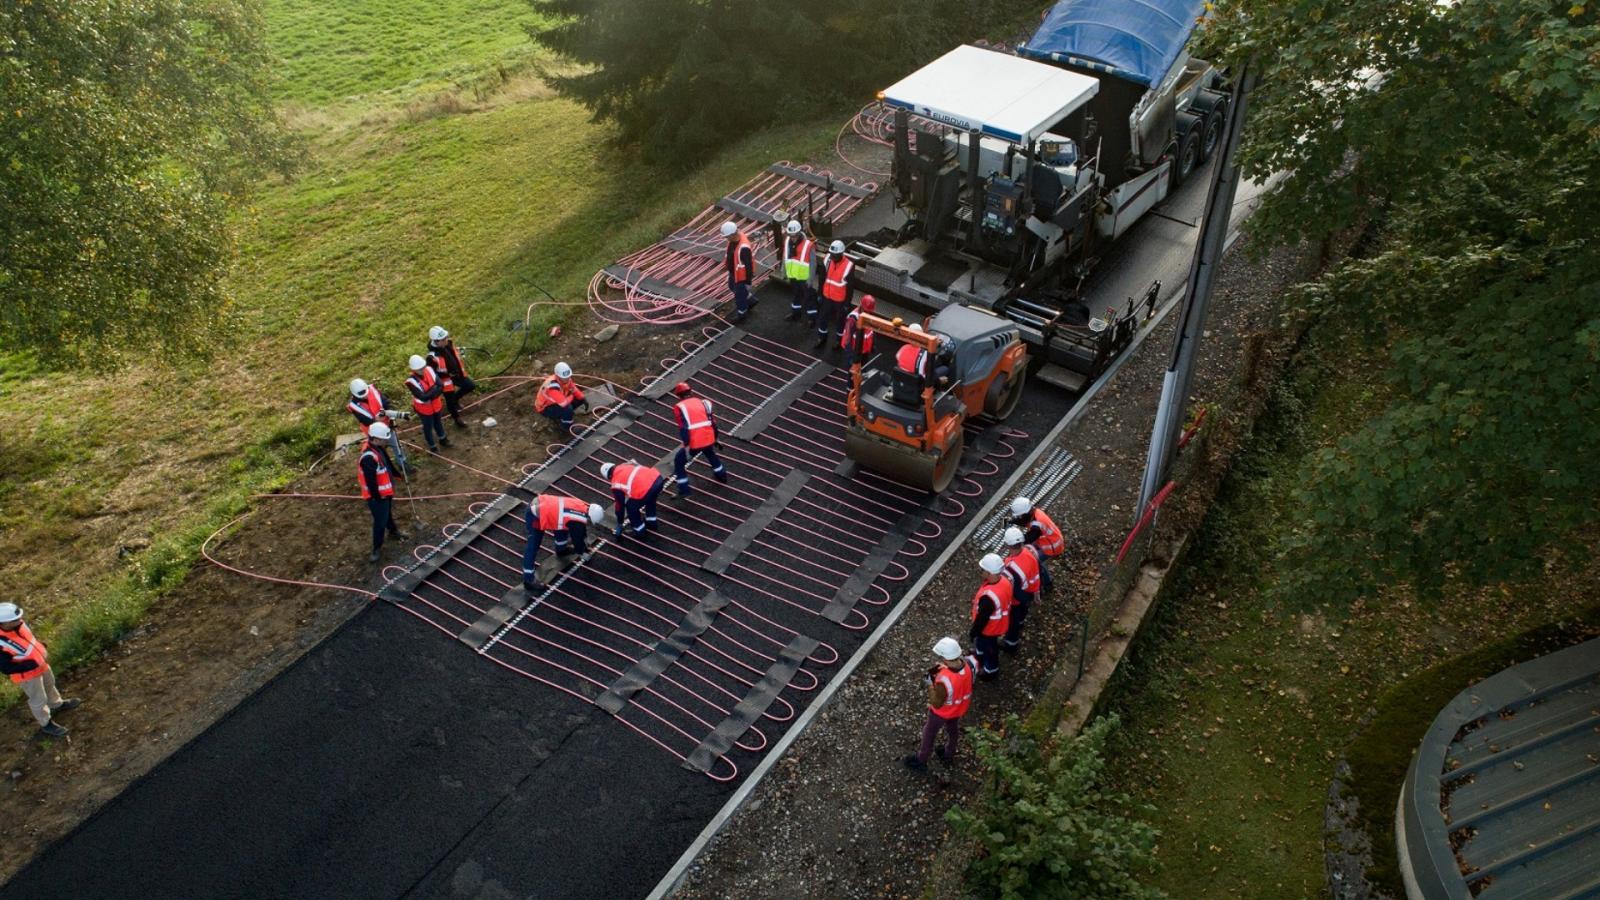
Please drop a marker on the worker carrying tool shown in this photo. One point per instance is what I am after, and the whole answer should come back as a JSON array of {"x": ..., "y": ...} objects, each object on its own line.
[
  {"x": 377, "y": 485},
  {"x": 697, "y": 428},
  {"x": 1038, "y": 530},
  {"x": 427, "y": 399},
  {"x": 836, "y": 291},
  {"x": 25, "y": 659},
  {"x": 369, "y": 406},
  {"x": 635, "y": 489},
  {"x": 855, "y": 341},
  {"x": 934, "y": 366},
  {"x": 797, "y": 250},
  {"x": 949, "y": 697},
  {"x": 991, "y": 615},
  {"x": 1024, "y": 565},
  {"x": 446, "y": 361},
  {"x": 565, "y": 517},
  {"x": 741, "y": 268},
  {"x": 559, "y": 398}
]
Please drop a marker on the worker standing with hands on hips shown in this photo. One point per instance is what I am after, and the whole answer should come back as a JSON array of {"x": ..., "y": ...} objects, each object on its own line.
[
  {"x": 24, "y": 658},
  {"x": 635, "y": 489},
  {"x": 949, "y": 697},
  {"x": 741, "y": 266},
  {"x": 835, "y": 274},
  {"x": 697, "y": 428},
  {"x": 853, "y": 339},
  {"x": 1041, "y": 532},
  {"x": 370, "y": 407},
  {"x": 1023, "y": 567},
  {"x": 797, "y": 250},
  {"x": 564, "y": 517},
  {"x": 427, "y": 399},
  {"x": 991, "y": 615},
  {"x": 377, "y": 485},
  {"x": 446, "y": 362},
  {"x": 559, "y": 398}
]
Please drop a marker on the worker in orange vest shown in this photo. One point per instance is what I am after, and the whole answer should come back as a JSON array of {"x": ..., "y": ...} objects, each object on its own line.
[
  {"x": 377, "y": 485},
  {"x": 559, "y": 398},
  {"x": 741, "y": 267},
  {"x": 369, "y": 406},
  {"x": 914, "y": 360},
  {"x": 1024, "y": 566},
  {"x": 635, "y": 489},
  {"x": 853, "y": 339},
  {"x": 564, "y": 517},
  {"x": 991, "y": 615},
  {"x": 798, "y": 248},
  {"x": 1041, "y": 532},
  {"x": 427, "y": 399},
  {"x": 835, "y": 275},
  {"x": 446, "y": 361},
  {"x": 697, "y": 428},
  {"x": 949, "y": 697},
  {"x": 24, "y": 658}
]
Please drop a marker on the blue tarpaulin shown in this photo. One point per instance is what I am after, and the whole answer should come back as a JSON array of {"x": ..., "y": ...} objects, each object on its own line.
[{"x": 1136, "y": 40}]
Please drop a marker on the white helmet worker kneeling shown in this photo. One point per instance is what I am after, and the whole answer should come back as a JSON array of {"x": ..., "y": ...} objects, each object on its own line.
[{"x": 559, "y": 398}]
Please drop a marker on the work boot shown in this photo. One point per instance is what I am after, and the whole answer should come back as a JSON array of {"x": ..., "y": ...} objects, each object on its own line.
[
  {"x": 433, "y": 448},
  {"x": 51, "y": 729},
  {"x": 914, "y": 764},
  {"x": 721, "y": 476},
  {"x": 67, "y": 705},
  {"x": 943, "y": 756},
  {"x": 1010, "y": 646},
  {"x": 684, "y": 490},
  {"x": 459, "y": 423},
  {"x": 374, "y": 557},
  {"x": 793, "y": 314},
  {"x": 444, "y": 442},
  {"x": 738, "y": 317},
  {"x": 821, "y": 339},
  {"x": 531, "y": 585}
]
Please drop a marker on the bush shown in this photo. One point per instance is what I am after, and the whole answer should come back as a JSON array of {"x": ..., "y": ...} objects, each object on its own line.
[{"x": 1046, "y": 827}]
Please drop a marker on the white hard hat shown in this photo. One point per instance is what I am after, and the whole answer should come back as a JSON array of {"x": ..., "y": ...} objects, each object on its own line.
[
  {"x": 992, "y": 563},
  {"x": 915, "y": 327},
  {"x": 10, "y": 612},
  {"x": 417, "y": 362},
  {"x": 437, "y": 333},
  {"x": 793, "y": 227},
  {"x": 1021, "y": 506},
  {"x": 563, "y": 370},
  {"x": 836, "y": 247},
  {"x": 605, "y": 469},
  {"x": 597, "y": 513},
  {"x": 947, "y": 648},
  {"x": 1013, "y": 536},
  {"x": 358, "y": 387},
  {"x": 729, "y": 229},
  {"x": 378, "y": 431}
]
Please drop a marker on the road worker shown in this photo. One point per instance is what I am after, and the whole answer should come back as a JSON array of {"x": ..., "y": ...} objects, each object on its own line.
[
  {"x": 741, "y": 267},
  {"x": 559, "y": 398},
  {"x": 798, "y": 248},
  {"x": 697, "y": 428},
  {"x": 369, "y": 406},
  {"x": 446, "y": 361},
  {"x": 1038, "y": 530},
  {"x": 427, "y": 399},
  {"x": 855, "y": 341},
  {"x": 949, "y": 697},
  {"x": 991, "y": 615},
  {"x": 377, "y": 485},
  {"x": 835, "y": 275},
  {"x": 1023, "y": 566},
  {"x": 25, "y": 659},
  {"x": 635, "y": 489},
  {"x": 914, "y": 360},
  {"x": 566, "y": 518}
]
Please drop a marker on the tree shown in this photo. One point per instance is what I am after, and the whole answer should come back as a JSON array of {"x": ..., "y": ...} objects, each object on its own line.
[
  {"x": 1470, "y": 134},
  {"x": 1046, "y": 827},
  {"x": 127, "y": 129}
]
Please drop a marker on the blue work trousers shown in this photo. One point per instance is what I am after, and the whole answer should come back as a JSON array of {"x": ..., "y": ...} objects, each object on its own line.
[
  {"x": 680, "y": 464},
  {"x": 641, "y": 513}
]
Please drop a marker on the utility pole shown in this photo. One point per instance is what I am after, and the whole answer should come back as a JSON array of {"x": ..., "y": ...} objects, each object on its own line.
[{"x": 1202, "y": 272}]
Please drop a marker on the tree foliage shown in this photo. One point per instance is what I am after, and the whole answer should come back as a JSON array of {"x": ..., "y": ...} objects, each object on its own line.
[
  {"x": 682, "y": 78},
  {"x": 127, "y": 127},
  {"x": 1046, "y": 827},
  {"x": 1471, "y": 132}
]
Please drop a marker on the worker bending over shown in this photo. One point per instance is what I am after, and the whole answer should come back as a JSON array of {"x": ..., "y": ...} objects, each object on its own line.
[
  {"x": 797, "y": 250},
  {"x": 426, "y": 398},
  {"x": 25, "y": 659},
  {"x": 635, "y": 489},
  {"x": 377, "y": 485},
  {"x": 559, "y": 398},
  {"x": 949, "y": 697},
  {"x": 369, "y": 407},
  {"x": 991, "y": 615},
  {"x": 853, "y": 339},
  {"x": 446, "y": 361},
  {"x": 697, "y": 428},
  {"x": 741, "y": 267},
  {"x": 835, "y": 291},
  {"x": 564, "y": 517},
  {"x": 1023, "y": 567},
  {"x": 1038, "y": 530}
]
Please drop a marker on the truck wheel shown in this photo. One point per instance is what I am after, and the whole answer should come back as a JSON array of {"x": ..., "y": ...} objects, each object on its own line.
[
  {"x": 1188, "y": 156},
  {"x": 1212, "y": 133}
]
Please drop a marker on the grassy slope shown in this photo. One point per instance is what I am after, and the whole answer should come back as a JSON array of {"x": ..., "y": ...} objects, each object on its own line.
[{"x": 1235, "y": 707}]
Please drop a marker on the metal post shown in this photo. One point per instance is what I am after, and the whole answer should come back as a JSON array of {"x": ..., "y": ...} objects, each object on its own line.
[{"x": 1179, "y": 376}]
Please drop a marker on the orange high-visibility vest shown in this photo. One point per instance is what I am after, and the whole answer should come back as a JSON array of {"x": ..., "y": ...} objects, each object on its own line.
[
  {"x": 851, "y": 328},
  {"x": 1000, "y": 619},
  {"x": 696, "y": 417},
  {"x": 957, "y": 685},
  {"x": 741, "y": 274},
  {"x": 554, "y": 393},
  {"x": 372, "y": 404},
  {"x": 22, "y": 646},
  {"x": 911, "y": 358},
  {"x": 385, "y": 485},
  {"x": 444, "y": 356},
  {"x": 838, "y": 273},
  {"x": 424, "y": 384},
  {"x": 1025, "y": 563},
  {"x": 1050, "y": 541},
  {"x": 557, "y": 512},
  {"x": 633, "y": 481}
]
